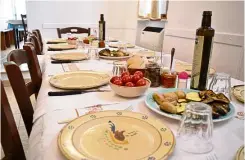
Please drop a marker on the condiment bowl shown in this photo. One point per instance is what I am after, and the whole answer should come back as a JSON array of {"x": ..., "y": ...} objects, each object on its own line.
[{"x": 130, "y": 92}]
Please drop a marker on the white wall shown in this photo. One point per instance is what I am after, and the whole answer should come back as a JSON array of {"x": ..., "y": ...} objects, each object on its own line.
[
  {"x": 184, "y": 17},
  {"x": 120, "y": 16}
]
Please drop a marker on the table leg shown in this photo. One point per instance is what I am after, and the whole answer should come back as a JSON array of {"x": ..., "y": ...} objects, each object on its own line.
[
  {"x": 14, "y": 36},
  {"x": 17, "y": 38}
]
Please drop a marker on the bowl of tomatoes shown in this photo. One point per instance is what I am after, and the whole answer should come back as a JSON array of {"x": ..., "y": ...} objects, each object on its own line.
[{"x": 127, "y": 85}]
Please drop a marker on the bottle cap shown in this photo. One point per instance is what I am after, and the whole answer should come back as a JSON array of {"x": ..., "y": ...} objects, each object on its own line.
[
  {"x": 207, "y": 13},
  {"x": 183, "y": 75}
]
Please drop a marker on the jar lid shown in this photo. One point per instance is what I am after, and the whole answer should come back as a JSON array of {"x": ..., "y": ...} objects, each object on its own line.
[
  {"x": 152, "y": 65},
  {"x": 183, "y": 75}
]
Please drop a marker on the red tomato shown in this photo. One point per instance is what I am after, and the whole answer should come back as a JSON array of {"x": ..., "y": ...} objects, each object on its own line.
[
  {"x": 129, "y": 84},
  {"x": 126, "y": 79},
  {"x": 115, "y": 78},
  {"x": 141, "y": 82},
  {"x": 139, "y": 73},
  {"x": 118, "y": 82},
  {"x": 125, "y": 74},
  {"x": 135, "y": 78}
]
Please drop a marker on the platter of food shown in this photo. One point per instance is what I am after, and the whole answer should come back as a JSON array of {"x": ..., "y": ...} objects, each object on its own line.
[
  {"x": 113, "y": 54},
  {"x": 172, "y": 102}
]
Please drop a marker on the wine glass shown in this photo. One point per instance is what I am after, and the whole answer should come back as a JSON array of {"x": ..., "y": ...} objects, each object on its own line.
[{"x": 196, "y": 128}]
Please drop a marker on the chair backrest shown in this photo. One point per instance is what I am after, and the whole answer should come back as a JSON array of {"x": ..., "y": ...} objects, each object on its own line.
[
  {"x": 23, "y": 91},
  {"x": 37, "y": 33},
  {"x": 73, "y": 30},
  {"x": 10, "y": 139},
  {"x": 23, "y": 18},
  {"x": 35, "y": 41}
]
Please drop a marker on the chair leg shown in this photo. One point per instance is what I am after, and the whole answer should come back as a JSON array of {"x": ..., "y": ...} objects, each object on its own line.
[
  {"x": 7, "y": 39},
  {"x": 3, "y": 44},
  {"x": 15, "y": 39}
]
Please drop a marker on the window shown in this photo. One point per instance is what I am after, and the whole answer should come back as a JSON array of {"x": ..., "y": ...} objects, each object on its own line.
[
  {"x": 152, "y": 9},
  {"x": 12, "y": 9}
]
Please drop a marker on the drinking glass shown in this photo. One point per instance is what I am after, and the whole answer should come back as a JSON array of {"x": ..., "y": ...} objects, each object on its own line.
[
  {"x": 93, "y": 53},
  {"x": 221, "y": 83},
  {"x": 122, "y": 47},
  {"x": 119, "y": 67},
  {"x": 196, "y": 128}
]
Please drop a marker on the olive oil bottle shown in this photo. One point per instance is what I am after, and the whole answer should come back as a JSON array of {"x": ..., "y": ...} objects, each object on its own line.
[
  {"x": 202, "y": 53},
  {"x": 102, "y": 28}
]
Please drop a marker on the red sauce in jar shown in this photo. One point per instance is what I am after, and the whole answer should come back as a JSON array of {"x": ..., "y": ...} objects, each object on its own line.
[{"x": 168, "y": 80}]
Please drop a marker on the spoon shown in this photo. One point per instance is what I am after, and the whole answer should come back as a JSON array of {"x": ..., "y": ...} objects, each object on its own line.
[{"x": 172, "y": 57}]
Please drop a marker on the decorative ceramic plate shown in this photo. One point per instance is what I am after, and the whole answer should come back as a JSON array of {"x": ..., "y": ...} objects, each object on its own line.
[
  {"x": 117, "y": 45},
  {"x": 238, "y": 92},
  {"x": 79, "y": 80},
  {"x": 116, "y": 135},
  {"x": 151, "y": 104},
  {"x": 57, "y": 41},
  {"x": 115, "y": 58},
  {"x": 145, "y": 53},
  {"x": 240, "y": 153},
  {"x": 69, "y": 56},
  {"x": 180, "y": 67},
  {"x": 62, "y": 46}
]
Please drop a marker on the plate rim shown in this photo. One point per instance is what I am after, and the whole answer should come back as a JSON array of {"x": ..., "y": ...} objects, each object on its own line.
[
  {"x": 239, "y": 151},
  {"x": 241, "y": 99},
  {"x": 107, "y": 79},
  {"x": 155, "y": 120},
  {"x": 178, "y": 117}
]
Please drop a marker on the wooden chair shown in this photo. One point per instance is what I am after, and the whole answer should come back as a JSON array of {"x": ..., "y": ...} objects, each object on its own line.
[
  {"x": 73, "y": 30},
  {"x": 37, "y": 33},
  {"x": 10, "y": 138},
  {"x": 23, "y": 18},
  {"x": 35, "y": 42},
  {"x": 21, "y": 90}
]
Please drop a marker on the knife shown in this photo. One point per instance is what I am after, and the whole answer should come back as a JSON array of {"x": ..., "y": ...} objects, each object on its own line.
[
  {"x": 74, "y": 92},
  {"x": 61, "y": 61}
]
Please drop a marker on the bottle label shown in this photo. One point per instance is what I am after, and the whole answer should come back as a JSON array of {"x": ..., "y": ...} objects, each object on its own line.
[
  {"x": 101, "y": 31},
  {"x": 198, "y": 65}
]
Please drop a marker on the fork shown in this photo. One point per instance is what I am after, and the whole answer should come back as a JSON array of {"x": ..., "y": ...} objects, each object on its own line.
[{"x": 212, "y": 157}]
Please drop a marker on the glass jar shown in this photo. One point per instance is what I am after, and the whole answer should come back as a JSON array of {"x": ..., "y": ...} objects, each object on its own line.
[
  {"x": 168, "y": 79},
  {"x": 153, "y": 74},
  {"x": 182, "y": 80}
]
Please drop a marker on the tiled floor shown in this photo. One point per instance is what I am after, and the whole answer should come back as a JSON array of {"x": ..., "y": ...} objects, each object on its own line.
[{"x": 14, "y": 105}]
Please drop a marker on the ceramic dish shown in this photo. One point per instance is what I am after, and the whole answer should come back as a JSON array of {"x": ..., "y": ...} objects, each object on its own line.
[
  {"x": 79, "y": 80},
  {"x": 69, "y": 56},
  {"x": 238, "y": 92},
  {"x": 180, "y": 67},
  {"x": 130, "y": 92},
  {"x": 151, "y": 104},
  {"x": 240, "y": 153},
  {"x": 57, "y": 41},
  {"x": 62, "y": 46},
  {"x": 117, "y": 45},
  {"x": 116, "y": 135},
  {"x": 145, "y": 53}
]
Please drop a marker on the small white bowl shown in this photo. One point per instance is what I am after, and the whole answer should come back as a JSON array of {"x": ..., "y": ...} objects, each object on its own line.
[{"x": 130, "y": 92}]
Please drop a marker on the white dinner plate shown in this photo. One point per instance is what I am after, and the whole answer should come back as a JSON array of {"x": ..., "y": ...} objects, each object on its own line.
[
  {"x": 69, "y": 56},
  {"x": 79, "y": 80}
]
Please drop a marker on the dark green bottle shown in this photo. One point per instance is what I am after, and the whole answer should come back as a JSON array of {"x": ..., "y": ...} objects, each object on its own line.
[
  {"x": 102, "y": 28},
  {"x": 202, "y": 53}
]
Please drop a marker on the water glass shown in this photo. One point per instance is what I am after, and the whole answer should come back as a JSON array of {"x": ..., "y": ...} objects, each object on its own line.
[
  {"x": 122, "y": 47},
  {"x": 93, "y": 53},
  {"x": 196, "y": 128},
  {"x": 221, "y": 83},
  {"x": 119, "y": 67}
]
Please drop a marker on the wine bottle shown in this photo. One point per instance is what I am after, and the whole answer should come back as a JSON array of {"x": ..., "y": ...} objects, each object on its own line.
[
  {"x": 102, "y": 28},
  {"x": 202, "y": 53}
]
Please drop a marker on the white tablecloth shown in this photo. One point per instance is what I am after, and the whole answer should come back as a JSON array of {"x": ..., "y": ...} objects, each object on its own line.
[{"x": 227, "y": 138}]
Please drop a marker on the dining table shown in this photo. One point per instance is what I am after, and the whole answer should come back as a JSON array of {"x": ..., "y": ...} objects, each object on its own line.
[{"x": 227, "y": 137}]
